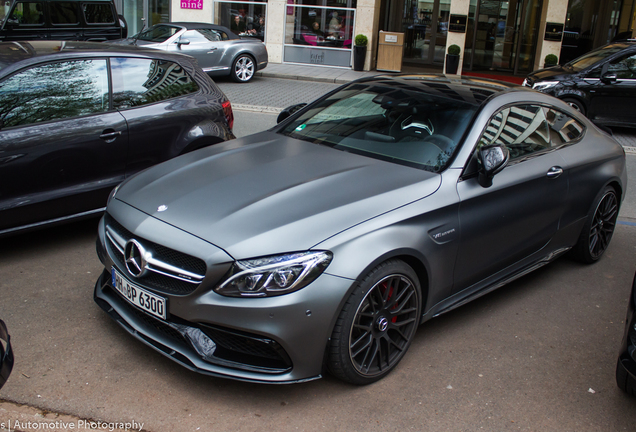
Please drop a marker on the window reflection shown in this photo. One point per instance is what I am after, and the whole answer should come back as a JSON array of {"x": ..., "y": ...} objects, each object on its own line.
[
  {"x": 54, "y": 91},
  {"x": 139, "y": 82}
]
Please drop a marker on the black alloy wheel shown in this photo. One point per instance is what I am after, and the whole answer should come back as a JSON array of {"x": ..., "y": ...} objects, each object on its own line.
[
  {"x": 576, "y": 104},
  {"x": 243, "y": 68},
  {"x": 599, "y": 228},
  {"x": 377, "y": 324}
]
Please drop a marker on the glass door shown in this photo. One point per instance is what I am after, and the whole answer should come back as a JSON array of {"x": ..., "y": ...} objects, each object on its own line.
[{"x": 505, "y": 35}]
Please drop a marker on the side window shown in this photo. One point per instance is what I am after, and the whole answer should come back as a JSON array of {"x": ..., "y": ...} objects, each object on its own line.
[
  {"x": 63, "y": 12},
  {"x": 210, "y": 35},
  {"x": 98, "y": 13},
  {"x": 563, "y": 128},
  {"x": 523, "y": 129},
  {"x": 624, "y": 68},
  {"x": 27, "y": 13},
  {"x": 139, "y": 82},
  {"x": 54, "y": 91},
  {"x": 199, "y": 36}
]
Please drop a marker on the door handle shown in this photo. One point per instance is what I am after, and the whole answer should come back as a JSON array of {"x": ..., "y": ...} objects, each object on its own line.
[
  {"x": 109, "y": 136},
  {"x": 212, "y": 49},
  {"x": 554, "y": 172}
]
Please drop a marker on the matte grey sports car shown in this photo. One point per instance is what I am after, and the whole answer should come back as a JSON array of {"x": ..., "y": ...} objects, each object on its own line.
[
  {"x": 218, "y": 50},
  {"x": 324, "y": 242}
]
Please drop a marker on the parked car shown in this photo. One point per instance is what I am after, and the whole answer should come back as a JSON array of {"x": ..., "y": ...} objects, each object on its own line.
[
  {"x": 626, "y": 365},
  {"x": 84, "y": 20},
  {"x": 6, "y": 354},
  {"x": 331, "y": 237},
  {"x": 600, "y": 84},
  {"x": 77, "y": 118},
  {"x": 219, "y": 51}
]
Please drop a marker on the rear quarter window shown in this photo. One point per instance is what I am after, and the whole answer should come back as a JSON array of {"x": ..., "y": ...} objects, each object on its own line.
[{"x": 98, "y": 13}]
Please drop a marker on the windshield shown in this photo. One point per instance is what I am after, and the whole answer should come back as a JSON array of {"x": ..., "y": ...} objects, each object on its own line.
[
  {"x": 160, "y": 33},
  {"x": 397, "y": 124},
  {"x": 587, "y": 60}
]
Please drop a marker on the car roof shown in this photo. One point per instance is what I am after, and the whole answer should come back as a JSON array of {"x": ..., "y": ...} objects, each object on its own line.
[
  {"x": 201, "y": 25},
  {"x": 472, "y": 90},
  {"x": 14, "y": 55}
]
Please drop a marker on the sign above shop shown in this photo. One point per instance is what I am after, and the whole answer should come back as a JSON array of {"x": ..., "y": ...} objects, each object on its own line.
[
  {"x": 191, "y": 4},
  {"x": 457, "y": 23},
  {"x": 553, "y": 32}
]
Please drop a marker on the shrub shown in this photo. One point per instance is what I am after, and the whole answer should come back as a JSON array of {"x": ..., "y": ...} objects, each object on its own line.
[
  {"x": 454, "y": 49},
  {"x": 551, "y": 59},
  {"x": 361, "y": 40}
]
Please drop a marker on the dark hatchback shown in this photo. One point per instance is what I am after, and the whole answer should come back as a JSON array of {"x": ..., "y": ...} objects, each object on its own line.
[
  {"x": 77, "y": 118},
  {"x": 600, "y": 84}
]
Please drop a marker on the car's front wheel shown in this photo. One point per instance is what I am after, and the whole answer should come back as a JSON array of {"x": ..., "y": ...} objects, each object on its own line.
[
  {"x": 576, "y": 104},
  {"x": 376, "y": 325},
  {"x": 243, "y": 68},
  {"x": 599, "y": 227}
]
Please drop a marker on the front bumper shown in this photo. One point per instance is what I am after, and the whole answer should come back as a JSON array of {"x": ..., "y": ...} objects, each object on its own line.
[
  {"x": 627, "y": 356},
  {"x": 273, "y": 340}
]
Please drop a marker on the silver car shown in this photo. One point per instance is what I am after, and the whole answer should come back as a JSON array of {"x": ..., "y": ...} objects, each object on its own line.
[
  {"x": 323, "y": 243},
  {"x": 218, "y": 51}
]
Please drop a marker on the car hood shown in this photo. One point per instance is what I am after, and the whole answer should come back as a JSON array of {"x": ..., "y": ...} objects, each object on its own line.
[
  {"x": 268, "y": 194},
  {"x": 552, "y": 73}
]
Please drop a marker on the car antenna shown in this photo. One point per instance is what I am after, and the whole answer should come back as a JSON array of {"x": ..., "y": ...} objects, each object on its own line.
[{"x": 134, "y": 41}]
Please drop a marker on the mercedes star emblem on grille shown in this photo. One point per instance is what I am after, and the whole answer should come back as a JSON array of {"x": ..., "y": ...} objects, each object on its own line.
[{"x": 135, "y": 256}]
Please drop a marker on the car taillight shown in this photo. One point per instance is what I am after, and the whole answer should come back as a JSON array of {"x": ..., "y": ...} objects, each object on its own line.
[{"x": 229, "y": 115}]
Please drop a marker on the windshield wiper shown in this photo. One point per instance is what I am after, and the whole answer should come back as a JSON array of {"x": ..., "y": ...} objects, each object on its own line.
[{"x": 136, "y": 37}]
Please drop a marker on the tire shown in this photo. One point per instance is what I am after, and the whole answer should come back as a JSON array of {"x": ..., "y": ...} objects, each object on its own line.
[
  {"x": 376, "y": 325},
  {"x": 243, "y": 68},
  {"x": 576, "y": 104},
  {"x": 599, "y": 227},
  {"x": 624, "y": 380}
]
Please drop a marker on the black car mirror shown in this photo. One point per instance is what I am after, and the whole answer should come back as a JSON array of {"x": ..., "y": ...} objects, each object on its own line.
[
  {"x": 608, "y": 77},
  {"x": 183, "y": 42},
  {"x": 493, "y": 159},
  {"x": 289, "y": 111}
]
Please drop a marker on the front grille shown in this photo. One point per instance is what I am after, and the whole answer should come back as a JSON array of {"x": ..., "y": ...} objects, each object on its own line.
[{"x": 159, "y": 282}]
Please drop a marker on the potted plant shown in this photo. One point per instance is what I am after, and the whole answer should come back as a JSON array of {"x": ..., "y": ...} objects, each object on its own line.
[
  {"x": 550, "y": 60},
  {"x": 452, "y": 59},
  {"x": 359, "y": 52}
]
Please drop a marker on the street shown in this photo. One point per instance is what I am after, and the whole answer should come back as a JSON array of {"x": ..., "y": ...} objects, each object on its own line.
[{"x": 538, "y": 354}]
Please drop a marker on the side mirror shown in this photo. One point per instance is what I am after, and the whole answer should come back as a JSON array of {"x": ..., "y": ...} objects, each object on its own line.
[
  {"x": 289, "y": 111},
  {"x": 493, "y": 159},
  {"x": 608, "y": 78},
  {"x": 183, "y": 42}
]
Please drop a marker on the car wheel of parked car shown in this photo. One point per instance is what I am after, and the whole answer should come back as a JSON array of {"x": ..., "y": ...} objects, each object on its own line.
[
  {"x": 599, "y": 227},
  {"x": 623, "y": 379},
  {"x": 576, "y": 104},
  {"x": 376, "y": 324},
  {"x": 243, "y": 68}
]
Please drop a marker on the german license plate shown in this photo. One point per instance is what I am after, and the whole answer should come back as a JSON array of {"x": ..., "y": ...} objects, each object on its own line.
[{"x": 144, "y": 300}]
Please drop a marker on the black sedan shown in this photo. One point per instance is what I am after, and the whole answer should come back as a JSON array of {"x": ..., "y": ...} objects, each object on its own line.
[
  {"x": 600, "y": 84},
  {"x": 323, "y": 243},
  {"x": 77, "y": 118},
  {"x": 626, "y": 365}
]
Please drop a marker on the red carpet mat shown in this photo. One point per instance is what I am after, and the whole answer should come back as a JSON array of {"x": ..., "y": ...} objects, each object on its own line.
[{"x": 496, "y": 76}]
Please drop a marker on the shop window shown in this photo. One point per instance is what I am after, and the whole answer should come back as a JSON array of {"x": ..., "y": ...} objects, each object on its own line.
[
  {"x": 243, "y": 19},
  {"x": 324, "y": 28}
]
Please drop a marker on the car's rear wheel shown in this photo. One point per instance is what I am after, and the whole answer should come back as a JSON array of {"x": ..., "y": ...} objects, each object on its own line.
[
  {"x": 243, "y": 68},
  {"x": 599, "y": 227},
  {"x": 376, "y": 325},
  {"x": 576, "y": 104},
  {"x": 624, "y": 380}
]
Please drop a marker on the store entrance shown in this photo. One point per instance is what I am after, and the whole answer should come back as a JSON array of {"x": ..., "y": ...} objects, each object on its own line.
[
  {"x": 505, "y": 35},
  {"x": 424, "y": 24}
]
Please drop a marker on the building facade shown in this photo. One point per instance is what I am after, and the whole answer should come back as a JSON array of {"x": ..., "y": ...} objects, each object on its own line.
[{"x": 493, "y": 35}]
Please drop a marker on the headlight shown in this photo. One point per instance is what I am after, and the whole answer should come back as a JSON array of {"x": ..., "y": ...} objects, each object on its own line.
[
  {"x": 543, "y": 85},
  {"x": 274, "y": 275}
]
